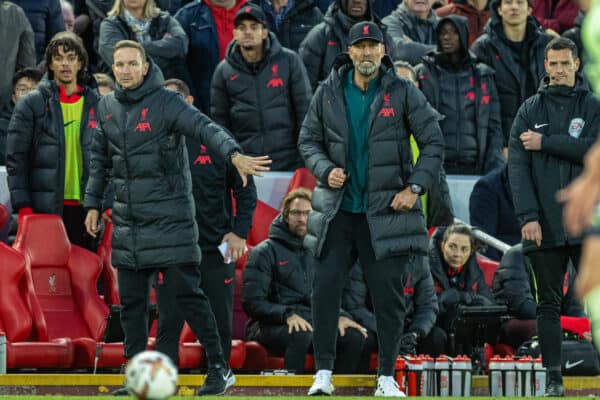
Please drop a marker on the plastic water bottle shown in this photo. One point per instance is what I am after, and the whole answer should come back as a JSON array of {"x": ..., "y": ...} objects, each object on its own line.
[
  {"x": 495, "y": 382},
  {"x": 429, "y": 386},
  {"x": 510, "y": 377},
  {"x": 539, "y": 377},
  {"x": 461, "y": 376},
  {"x": 2, "y": 353},
  {"x": 415, "y": 373},
  {"x": 524, "y": 368},
  {"x": 442, "y": 372}
]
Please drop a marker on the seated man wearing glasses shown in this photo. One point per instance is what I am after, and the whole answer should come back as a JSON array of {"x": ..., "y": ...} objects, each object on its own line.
[{"x": 277, "y": 289}]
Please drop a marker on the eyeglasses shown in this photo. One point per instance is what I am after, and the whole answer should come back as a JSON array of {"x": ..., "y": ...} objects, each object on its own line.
[{"x": 298, "y": 213}]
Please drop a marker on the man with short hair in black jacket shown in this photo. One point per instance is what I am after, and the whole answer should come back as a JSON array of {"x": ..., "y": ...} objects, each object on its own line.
[
  {"x": 355, "y": 140},
  {"x": 214, "y": 184},
  {"x": 330, "y": 38},
  {"x": 140, "y": 145},
  {"x": 550, "y": 136},
  {"x": 464, "y": 92},
  {"x": 421, "y": 310},
  {"x": 260, "y": 91},
  {"x": 513, "y": 45},
  {"x": 49, "y": 139},
  {"x": 277, "y": 289},
  {"x": 291, "y": 20}
]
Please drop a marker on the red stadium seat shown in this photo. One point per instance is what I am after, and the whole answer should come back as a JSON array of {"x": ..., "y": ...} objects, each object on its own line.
[
  {"x": 302, "y": 178},
  {"x": 239, "y": 316},
  {"x": 3, "y": 215},
  {"x": 261, "y": 222},
  {"x": 489, "y": 268},
  {"x": 60, "y": 281},
  {"x": 24, "y": 347},
  {"x": 108, "y": 277},
  {"x": 192, "y": 355},
  {"x": 258, "y": 358}
]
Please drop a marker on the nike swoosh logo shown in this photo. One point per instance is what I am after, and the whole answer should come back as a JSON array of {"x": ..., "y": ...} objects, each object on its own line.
[
  {"x": 228, "y": 281},
  {"x": 538, "y": 126},
  {"x": 234, "y": 77},
  {"x": 569, "y": 364},
  {"x": 282, "y": 263},
  {"x": 69, "y": 123}
]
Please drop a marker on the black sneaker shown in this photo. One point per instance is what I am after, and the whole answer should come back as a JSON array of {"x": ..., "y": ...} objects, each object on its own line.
[
  {"x": 120, "y": 392},
  {"x": 218, "y": 380},
  {"x": 554, "y": 390}
]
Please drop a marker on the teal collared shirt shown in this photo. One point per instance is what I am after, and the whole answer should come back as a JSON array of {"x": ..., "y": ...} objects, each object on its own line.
[{"x": 358, "y": 112}]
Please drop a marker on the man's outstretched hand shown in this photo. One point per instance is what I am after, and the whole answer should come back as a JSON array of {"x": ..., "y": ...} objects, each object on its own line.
[{"x": 247, "y": 165}]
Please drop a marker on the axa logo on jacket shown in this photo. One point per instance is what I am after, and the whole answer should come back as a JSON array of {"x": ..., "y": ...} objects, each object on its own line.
[
  {"x": 143, "y": 125},
  {"x": 386, "y": 110},
  {"x": 275, "y": 80}
]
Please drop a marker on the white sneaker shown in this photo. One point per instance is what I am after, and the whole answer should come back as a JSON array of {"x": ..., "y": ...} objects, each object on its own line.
[
  {"x": 322, "y": 385},
  {"x": 388, "y": 387}
]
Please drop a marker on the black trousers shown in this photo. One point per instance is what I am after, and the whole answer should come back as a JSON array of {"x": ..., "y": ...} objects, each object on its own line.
[
  {"x": 348, "y": 239},
  {"x": 74, "y": 220},
  {"x": 217, "y": 283},
  {"x": 294, "y": 347},
  {"x": 549, "y": 267},
  {"x": 181, "y": 284}
]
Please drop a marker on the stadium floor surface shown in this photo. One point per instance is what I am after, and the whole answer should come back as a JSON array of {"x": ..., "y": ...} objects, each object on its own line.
[{"x": 54, "y": 385}]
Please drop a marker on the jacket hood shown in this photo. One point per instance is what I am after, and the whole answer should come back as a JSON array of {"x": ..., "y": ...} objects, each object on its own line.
[
  {"x": 462, "y": 26},
  {"x": 234, "y": 56},
  {"x": 337, "y": 14},
  {"x": 280, "y": 231},
  {"x": 153, "y": 81}
]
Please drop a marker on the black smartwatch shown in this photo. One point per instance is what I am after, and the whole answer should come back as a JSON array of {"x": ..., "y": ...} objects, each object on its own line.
[{"x": 416, "y": 189}]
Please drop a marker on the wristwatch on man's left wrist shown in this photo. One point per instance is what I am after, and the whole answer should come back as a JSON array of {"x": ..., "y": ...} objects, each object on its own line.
[{"x": 416, "y": 189}]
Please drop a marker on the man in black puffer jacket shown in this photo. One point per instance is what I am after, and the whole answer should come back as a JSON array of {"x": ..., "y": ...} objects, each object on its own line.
[
  {"x": 260, "y": 91},
  {"x": 421, "y": 310},
  {"x": 50, "y": 136},
  {"x": 513, "y": 45},
  {"x": 291, "y": 22},
  {"x": 464, "y": 92},
  {"x": 355, "y": 140},
  {"x": 140, "y": 144},
  {"x": 549, "y": 138},
  {"x": 330, "y": 38},
  {"x": 277, "y": 289}
]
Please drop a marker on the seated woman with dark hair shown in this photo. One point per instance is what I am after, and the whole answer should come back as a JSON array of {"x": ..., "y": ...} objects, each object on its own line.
[{"x": 458, "y": 279}]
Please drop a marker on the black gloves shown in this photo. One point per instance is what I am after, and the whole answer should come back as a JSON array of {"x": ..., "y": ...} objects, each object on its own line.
[{"x": 408, "y": 343}]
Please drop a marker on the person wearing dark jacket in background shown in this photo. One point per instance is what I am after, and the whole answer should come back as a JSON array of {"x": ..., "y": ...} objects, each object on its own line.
[
  {"x": 551, "y": 134},
  {"x": 514, "y": 285},
  {"x": 260, "y": 92},
  {"x": 421, "y": 311},
  {"x": 574, "y": 33},
  {"x": 209, "y": 27},
  {"x": 153, "y": 213},
  {"x": 458, "y": 280},
  {"x": 355, "y": 140},
  {"x": 161, "y": 35},
  {"x": 437, "y": 204},
  {"x": 291, "y": 20},
  {"x": 214, "y": 183},
  {"x": 513, "y": 45},
  {"x": 491, "y": 209},
  {"x": 330, "y": 38},
  {"x": 24, "y": 81},
  {"x": 277, "y": 289},
  {"x": 45, "y": 17},
  {"x": 476, "y": 11},
  {"x": 464, "y": 92},
  {"x": 412, "y": 28},
  {"x": 49, "y": 139}
]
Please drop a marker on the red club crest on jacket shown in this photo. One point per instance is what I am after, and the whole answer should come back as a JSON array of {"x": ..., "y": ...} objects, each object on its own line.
[
  {"x": 275, "y": 80},
  {"x": 92, "y": 123},
  {"x": 143, "y": 125},
  {"x": 203, "y": 158},
  {"x": 386, "y": 110}
]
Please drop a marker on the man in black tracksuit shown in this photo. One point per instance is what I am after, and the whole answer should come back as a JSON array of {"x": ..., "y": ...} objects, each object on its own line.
[
  {"x": 366, "y": 203},
  {"x": 49, "y": 139},
  {"x": 421, "y": 310},
  {"x": 292, "y": 22},
  {"x": 464, "y": 92},
  {"x": 330, "y": 38},
  {"x": 139, "y": 144},
  {"x": 260, "y": 91},
  {"x": 513, "y": 45},
  {"x": 277, "y": 292},
  {"x": 550, "y": 136},
  {"x": 214, "y": 182}
]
